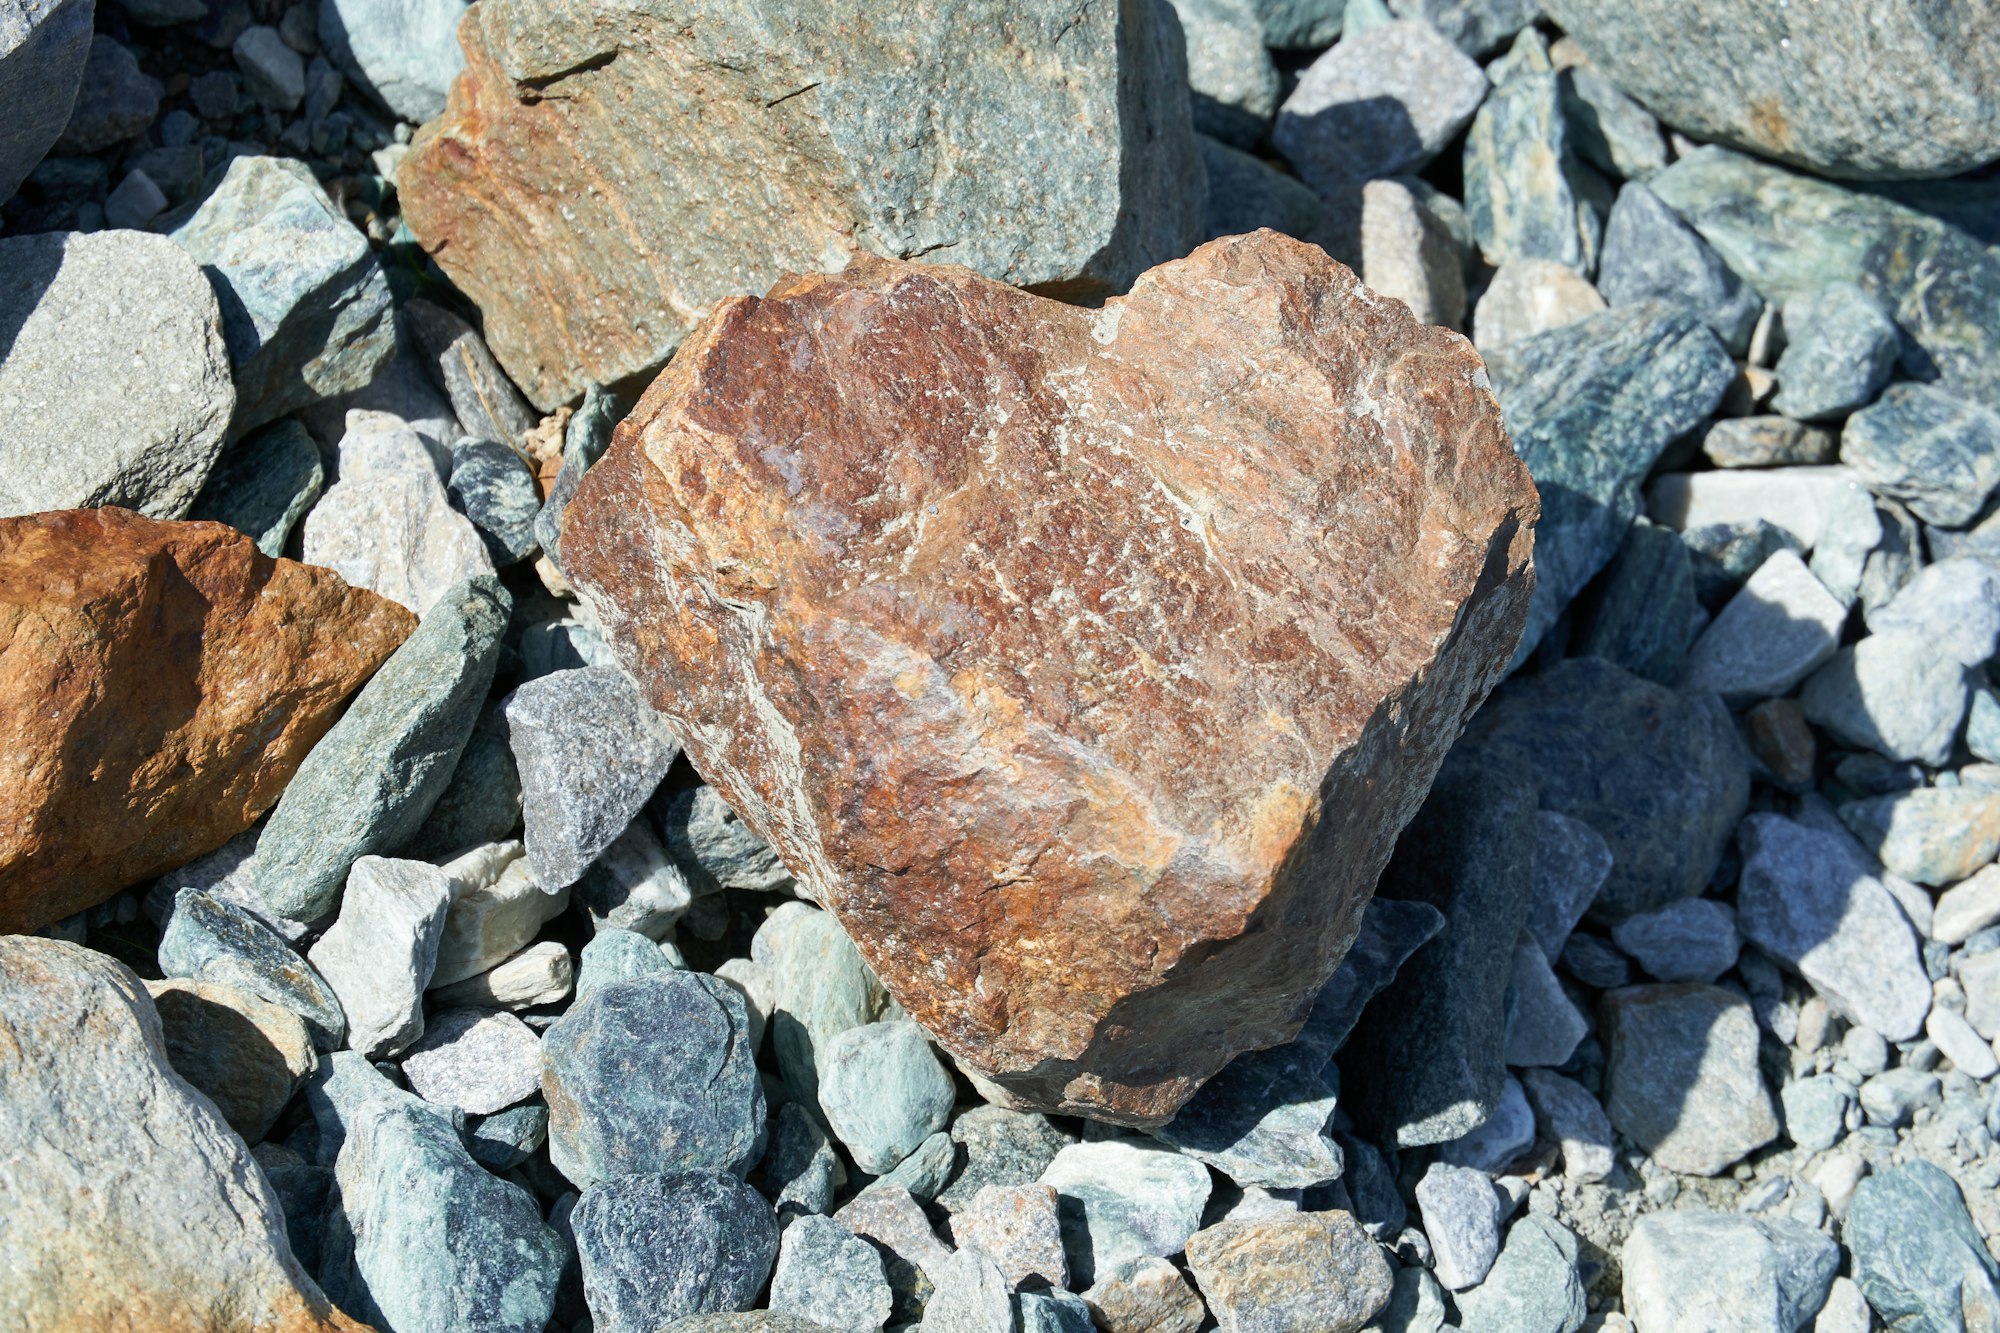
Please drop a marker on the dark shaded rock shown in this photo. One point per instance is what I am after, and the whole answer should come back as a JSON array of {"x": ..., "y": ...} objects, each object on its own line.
[
  {"x": 207, "y": 939},
  {"x": 1770, "y": 441},
  {"x": 715, "y": 849},
  {"x": 1609, "y": 130},
  {"x": 494, "y": 487},
  {"x": 483, "y": 399},
  {"x": 42, "y": 60},
  {"x": 481, "y": 803},
  {"x": 247, "y": 1055},
  {"x": 1528, "y": 194},
  {"x": 656, "y": 1248},
  {"x": 1644, "y": 607},
  {"x": 263, "y": 485},
  {"x": 114, "y": 100},
  {"x": 1917, "y": 1255},
  {"x": 1651, "y": 255},
  {"x": 1245, "y": 193}
]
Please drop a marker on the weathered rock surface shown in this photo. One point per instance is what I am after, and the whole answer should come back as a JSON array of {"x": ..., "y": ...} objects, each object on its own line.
[
  {"x": 247, "y": 1055},
  {"x": 42, "y": 52},
  {"x": 791, "y": 174},
  {"x": 1077, "y": 683},
  {"x": 87, "y": 1099},
  {"x": 1887, "y": 90},
  {"x": 159, "y": 685},
  {"x": 114, "y": 373}
]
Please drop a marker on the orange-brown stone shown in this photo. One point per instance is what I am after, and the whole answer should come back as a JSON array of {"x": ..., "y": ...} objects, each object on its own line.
[
  {"x": 1085, "y": 663},
  {"x": 159, "y": 683}
]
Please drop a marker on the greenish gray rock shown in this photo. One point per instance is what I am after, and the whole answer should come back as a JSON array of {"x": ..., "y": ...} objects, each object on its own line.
[
  {"x": 1474, "y": 26},
  {"x": 439, "y": 1244},
  {"x": 1416, "y": 1305},
  {"x": 1528, "y": 193},
  {"x": 1644, "y": 606},
  {"x": 370, "y": 783},
  {"x": 207, "y": 939},
  {"x": 345, "y": 1085},
  {"x": 402, "y": 53},
  {"x": 1893, "y": 693},
  {"x": 1790, "y": 236},
  {"x": 652, "y": 1074},
  {"x": 821, "y": 987},
  {"x": 1892, "y": 1098},
  {"x": 115, "y": 100},
  {"x": 634, "y": 885},
  {"x": 1298, "y": 25},
  {"x": 1424, "y": 1062},
  {"x": 1053, "y": 1311},
  {"x": 42, "y": 53},
  {"x": 801, "y": 1169},
  {"x": 484, "y": 400},
  {"x": 1681, "y": 1077},
  {"x": 379, "y": 955},
  {"x": 1385, "y": 102},
  {"x": 751, "y": 1321},
  {"x": 1651, "y": 255},
  {"x": 305, "y": 307},
  {"x": 883, "y": 1092},
  {"x": 1234, "y": 83},
  {"x": 1660, "y": 774},
  {"x": 1726, "y": 1270},
  {"x": 492, "y": 485},
  {"x": 481, "y": 803},
  {"x": 1571, "y": 863},
  {"x": 1933, "y": 835},
  {"x": 263, "y": 484},
  {"x": 1936, "y": 452},
  {"x": 924, "y": 1172},
  {"x": 827, "y": 1273},
  {"x": 1000, "y": 1147},
  {"x": 1766, "y": 441},
  {"x": 1817, "y": 1110},
  {"x": 1534, "y": 1286},
  {"x": 1840, "y": 347},
  {"x": 1918, "y": 1258},
  {"x": 1120, "y": 1199},
  {"x": 118, "y": 1169},
  {"x": 972, "y": 1297},
  {"x": 1886, "y": 90},
  {"x": 1781, "y": 627},
  {"x": 1591, "y": 407},
  {"x": 656, "y": 1248},
  {"x": 1809, "y": 895},
  {"x": 590, "y": 751},
  {"x": 715, "y": 849},
  {"x": 1608, "y": 129},
  {"x": 1954, "y": 603},
  {"x": 615, "y": 955},
  {"x": 115, "y": 375},
  {"x": 502, "y": 1141}
]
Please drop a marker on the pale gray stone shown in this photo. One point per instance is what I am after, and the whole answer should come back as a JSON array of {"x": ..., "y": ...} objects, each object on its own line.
[
  {"x": 273, "y": 73},
  {"x": 1726, "y": 1270},
  {"x": 1681, "y": 1077},
  {"x": 831, "y": 1276},
  {"x": 497, "y": 907},
  {"x": 972, "y": 1297},
  {"x": 115, "y": 380},
  {"x": 1932, "y": 835},
  {"x": 634, "y": 885},
  {"x": 1234, "y": 83},
  {"x": 820, "y": 987},
  {"x": 1501, "y": 1139},
  {"x": 1571, "y": 1118},
  {"x": 1965, "y": 909},
  {"x": 378, "y": 956},
  {"x": 402, "y": 53},
  {"x": 1955, "y": 604},
  {"x": 1800, "y": 500},
  {"x": 1528, "y": 296},
  {"x": 1462, "y": 1214},
  {"x": 1817, "y": 1110},
  {"x": 1121, "y": 1199},
  {"x": 539, "y": 974},
  {"x": 479, "y": 1060},
  {"x": 883, "y": 1092},
  {"x": 1893, "y": 693},
  {"x": 1535, "y": 1286},
  {"x": 1781, "y": 627}
]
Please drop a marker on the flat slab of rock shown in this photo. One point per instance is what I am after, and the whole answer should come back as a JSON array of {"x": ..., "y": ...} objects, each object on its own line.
[
  {"x": 87, "y": 1097},
  {"x": 1907, "y": 91},
  {"x": 1077, "y": 677},
  {"x": 792, "y": 175},
  {"x": 115, "y": 375},
  {"x": 160, "y": 683}
]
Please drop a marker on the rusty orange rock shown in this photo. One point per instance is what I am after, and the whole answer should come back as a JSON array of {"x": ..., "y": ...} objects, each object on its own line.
[
  {"x": 159, "y": 683},
  {"x": 1085, "y": 663}
]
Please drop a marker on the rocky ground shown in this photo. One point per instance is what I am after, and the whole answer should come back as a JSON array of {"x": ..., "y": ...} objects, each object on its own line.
[{"x": 806, "y": 862}]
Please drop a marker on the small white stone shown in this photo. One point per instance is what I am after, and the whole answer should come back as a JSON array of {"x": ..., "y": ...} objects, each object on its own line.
[
  {"x": 1779, "y": 628},
  {"x": 1966, "y": 1049},
  {"x": 479, "y": 1060},
  {"x": 539, "y": 974},
  {"x": 1967, "y": 908},
  {"x": 496, "y": 910},
  {"x": 1798, "y": 499},
  {"x": 379, "y": 955},
  {"x": 1531, "y": 296}
]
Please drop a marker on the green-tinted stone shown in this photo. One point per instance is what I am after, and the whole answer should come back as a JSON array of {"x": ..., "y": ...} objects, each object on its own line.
[
  {"x": 264, "y": 484},
  {"x": 1917, "y": 1256},
  {"x": 1528, "y": 195}
]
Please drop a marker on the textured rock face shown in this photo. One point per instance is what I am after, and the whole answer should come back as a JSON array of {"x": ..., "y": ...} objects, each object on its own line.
[
  {"x": 543, "y": 193},
  {"x": 1083, "y": 618},
  {"x": 159, "y": 685},
  {"x": 1885, "y": 89},
  {"x": 43, "y": 44},
  {"x": 130, "y": 1203}
]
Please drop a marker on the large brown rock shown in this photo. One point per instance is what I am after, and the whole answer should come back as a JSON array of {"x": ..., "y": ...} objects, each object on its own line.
[
  {"x": 159, "y": 683},
  {"x": 603, "y": 174},
  {"x": 1085, "y": 663}
]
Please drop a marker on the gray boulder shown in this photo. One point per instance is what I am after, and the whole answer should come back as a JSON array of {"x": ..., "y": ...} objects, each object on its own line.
[
  {"x": 656, "y": 1248},
  {"x": 43, "y": 47},
  {"x": 1723, "y": 1270},
  {"x": 1918, "y": 1258},
  {"x": 1681, "y": 1077},
  {"x": 114, "y": 373},
  {"x": 1534, "y": 1286},
  {"x": 1936, "y": 452},
  {"x": 402, "y": 53}
]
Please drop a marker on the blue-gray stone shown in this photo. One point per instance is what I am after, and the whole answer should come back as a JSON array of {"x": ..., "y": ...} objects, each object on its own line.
[
  {"x": 633, "y": 885},
  {"x": 43, "y": 48},
  {"x": 1595, "y": 962},
  {"x": 505, "y": 1139},
  {"x": 1644, "y": 606},
  {"x": 1790, "y": 236},
  {"x": 827, "y": 1273},
  {"x": 114, "y": 100},
  {"x": 1591, "y": 407},
  {"x": 1917, "y": 1256},
  {"x": 659, "y": 1247},
  {"x": 1370, "y": 1182},
  {"x": 653, "y": 1074},
  {"x": 1534, "y": 1286},
  {"x": 1817, "y": 1110},
  {"x": 1571, "y": 864},
  {"x": 1955, "y": 603},
  {"x": 1424, "y": 1064},
  {"x": 1245, "y": 193},
  {"x": 493, "y": 486},
  {"x": 402, "y": 53},
  {"x": 1528, "y": 193},
  {"x": 1391, "y": 931},
  {"x": 714, "y": 848},
  {"x": 262, "y": 485},
  {"x": 820, "y": 985},
  {"x": 1893, "y": 693},
  {"x": 883, "y": 1092},
  {"x": 1608, "y": 129},
  {"x": 801, "y": 1170},
  {"x": 1541, "y": 1024},
  {"x": 483, "y": 399},
  {"x": 1892, "y": 89},
  {"x": 1661, "y": 775},
  {"x": 584, "y": 442},
  {"x": 590, "y": 751},
  {"x": 1692, "y": 940},
  {"x": 1840, "y": 347},
  {"x": 481, "y": 803},
  {"x": 616, "y": 954},
  {"x": 303, "y": 1192},
  {"x": 1473, "y": 26},
  {"x": 1723, "y": 556},
  {"x": 1681, "y": 1075},
  {"x": 207, "y": 939},
  {"x": 924, "y": 1172},
  {"x": 1298, "y": 25},
  {"x": 1001, "y": 1147},
  {"x": 371, "y": 782},
  {"x": 305, "y": 307},
  {"x": 1936, "y": 452},
  {"x": 1461, "y": 1212},
  {"x": 1651, "y": 255},
  {"x": 1054, "y": 1311},
  {"x": 549, "y": 646},
  {"x": 1234, "y": 83},
  {"x": 440, "y": 1245},
  {"x": 1693, "y": 1269}
]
